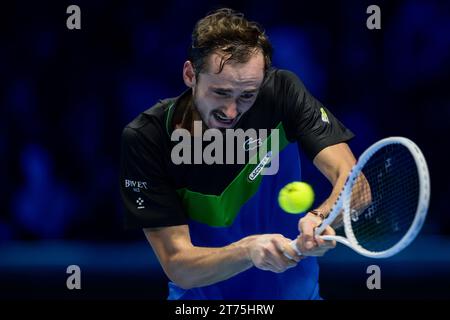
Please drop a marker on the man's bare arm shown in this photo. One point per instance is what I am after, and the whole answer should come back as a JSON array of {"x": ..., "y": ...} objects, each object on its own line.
[
  {"x": 190, "y": 266},
  {"x": 335, "y": 163}
]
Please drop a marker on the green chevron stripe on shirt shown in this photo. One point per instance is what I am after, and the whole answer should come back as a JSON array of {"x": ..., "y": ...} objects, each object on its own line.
[{"x": 221, "y": 210}]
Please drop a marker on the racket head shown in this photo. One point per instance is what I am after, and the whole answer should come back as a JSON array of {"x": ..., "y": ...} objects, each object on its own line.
[{"x": 393, "y": 207}]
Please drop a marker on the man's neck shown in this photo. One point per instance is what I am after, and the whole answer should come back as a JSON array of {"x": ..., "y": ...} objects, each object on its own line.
[{"x": 185, "y": 114}]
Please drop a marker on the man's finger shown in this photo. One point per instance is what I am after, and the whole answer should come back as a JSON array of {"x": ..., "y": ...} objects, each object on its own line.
[
  {"x": 290, "y": 253},
  {"x": 284, "y": 246},
  {"x": 325, "y": 243},
  {"x": 320, "y": 242},
  {"x": 329, "y": 231},
  {"x": 280, "y": 263},
  {"x": 306, "y": 236}
]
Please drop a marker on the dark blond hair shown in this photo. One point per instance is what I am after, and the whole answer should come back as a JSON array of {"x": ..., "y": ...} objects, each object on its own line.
[{"x": 227, "y": 31}]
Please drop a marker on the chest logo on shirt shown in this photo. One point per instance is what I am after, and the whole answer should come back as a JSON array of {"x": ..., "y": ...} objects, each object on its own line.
[
  {"x": 255, "y": 173},
  {"x": 136, "y": 185},
  {"x": 324, "y": 115},
  {"x": 251, "y": 144}
]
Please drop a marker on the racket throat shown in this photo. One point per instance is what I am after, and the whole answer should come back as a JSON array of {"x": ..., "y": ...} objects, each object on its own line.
[{"x": 338, "y": 239}]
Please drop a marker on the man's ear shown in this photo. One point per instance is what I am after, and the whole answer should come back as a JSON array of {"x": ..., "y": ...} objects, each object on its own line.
[{"x": 189, "y": 74}]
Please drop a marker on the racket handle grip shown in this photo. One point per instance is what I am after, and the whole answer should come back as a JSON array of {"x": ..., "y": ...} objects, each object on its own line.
[
  {"x": 296, "y": 249},
  {"x": 294, "y": 246}
]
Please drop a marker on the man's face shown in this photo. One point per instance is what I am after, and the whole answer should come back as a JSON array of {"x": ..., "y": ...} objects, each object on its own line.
[{"x": 222, "y": 98}]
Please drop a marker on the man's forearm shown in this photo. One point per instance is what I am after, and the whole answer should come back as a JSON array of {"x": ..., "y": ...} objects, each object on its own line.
[
  {"x": 200, "y": 266},
  {"x": 335, "y": 162},
  {"x": 328, "y": 204}
]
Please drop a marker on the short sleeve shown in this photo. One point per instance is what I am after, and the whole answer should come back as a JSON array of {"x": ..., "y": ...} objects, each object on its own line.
[
  {"x": 306, "y": 120},
  {"x": 147, "y": 194}
]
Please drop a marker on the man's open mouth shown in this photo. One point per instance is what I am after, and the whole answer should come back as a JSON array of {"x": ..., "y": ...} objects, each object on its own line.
[{"x": 222, "y": 118}]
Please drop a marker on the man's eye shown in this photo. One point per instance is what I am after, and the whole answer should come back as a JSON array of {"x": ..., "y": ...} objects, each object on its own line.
[
  {"x": 220, "y": 93},
  {"x": 247, "y": 96}
]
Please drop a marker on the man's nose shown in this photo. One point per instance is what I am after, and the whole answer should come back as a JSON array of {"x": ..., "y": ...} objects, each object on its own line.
[{"x": 231, "y": 110}]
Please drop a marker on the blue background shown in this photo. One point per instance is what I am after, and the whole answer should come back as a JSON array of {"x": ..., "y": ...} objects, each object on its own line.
[{"x": 66, "y": 95}]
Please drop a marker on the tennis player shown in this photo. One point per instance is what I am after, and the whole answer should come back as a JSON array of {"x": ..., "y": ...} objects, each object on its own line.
[{"x": 217, "y": 233}]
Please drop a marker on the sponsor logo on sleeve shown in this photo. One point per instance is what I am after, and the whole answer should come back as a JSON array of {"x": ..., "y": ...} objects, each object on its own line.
[
  {"x": 137, "y": 186},
  {"x": 324, "y": 115}
]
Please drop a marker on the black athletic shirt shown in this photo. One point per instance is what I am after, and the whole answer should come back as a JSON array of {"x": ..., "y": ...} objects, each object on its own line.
[{"x": 158, "y": 193}]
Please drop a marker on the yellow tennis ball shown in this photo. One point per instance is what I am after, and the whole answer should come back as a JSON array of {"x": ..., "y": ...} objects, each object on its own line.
[{"x": 296, "y": 197}]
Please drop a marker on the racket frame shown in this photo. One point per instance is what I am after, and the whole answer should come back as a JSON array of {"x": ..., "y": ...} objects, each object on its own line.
[{"x": 342, "y": 204}]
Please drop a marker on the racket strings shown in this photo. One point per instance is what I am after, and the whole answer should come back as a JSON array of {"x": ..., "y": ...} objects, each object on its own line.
[
  {"x": 383, "y": 230},
  {"x": 383, "y": 227},
  {"x": 384, "y": 198}
]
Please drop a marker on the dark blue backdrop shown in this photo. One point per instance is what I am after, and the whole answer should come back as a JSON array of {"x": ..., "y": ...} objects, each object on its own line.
[{"x": 66, "y": 94}]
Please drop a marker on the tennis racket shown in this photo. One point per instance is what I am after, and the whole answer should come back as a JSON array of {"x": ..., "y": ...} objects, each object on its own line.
[{"x": 384, "y": 201}]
